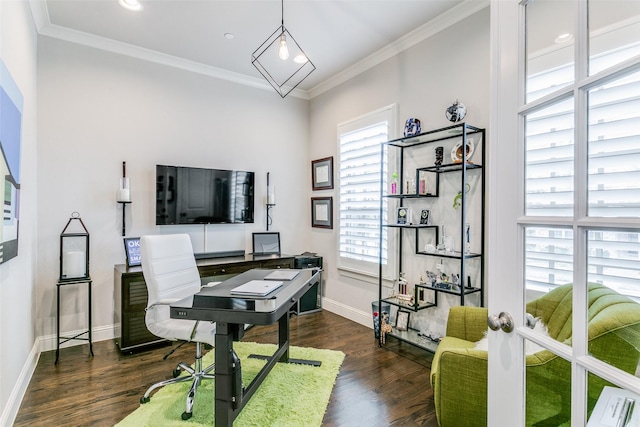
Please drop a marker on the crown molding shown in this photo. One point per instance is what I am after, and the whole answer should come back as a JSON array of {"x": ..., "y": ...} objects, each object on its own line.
[
  {"x": 44, "y": 27},
  {"x": 429, "y": 29}
]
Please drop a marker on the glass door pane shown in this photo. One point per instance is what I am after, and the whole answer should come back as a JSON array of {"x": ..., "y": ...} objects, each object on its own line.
[
  {"x": 614, "y": 148},
  {"x": 549, "y": 160},
  {"x": 614, "y": 32},
  {"x": 549, "y": 45}
]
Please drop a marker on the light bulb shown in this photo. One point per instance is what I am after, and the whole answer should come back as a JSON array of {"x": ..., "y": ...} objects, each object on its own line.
[{"x": 283, "y": 52}]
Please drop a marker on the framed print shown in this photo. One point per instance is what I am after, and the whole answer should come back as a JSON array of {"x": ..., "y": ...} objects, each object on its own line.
[
  {"x": 404, "y": 216},
  {"x": 322, "y": 212},
  {"x": 425, "y": 217},
  {"x": 132, "y": 250},
  {"x": 402, "y": 320},
  {"x": 322, "y": 174}
]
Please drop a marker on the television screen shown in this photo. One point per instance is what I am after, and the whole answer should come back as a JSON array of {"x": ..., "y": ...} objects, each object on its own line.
[{"x": 186, "y": 195}]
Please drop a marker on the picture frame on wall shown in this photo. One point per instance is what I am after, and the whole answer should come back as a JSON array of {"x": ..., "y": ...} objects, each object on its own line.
[
  {"x": 322, "y": 212},
  {"x": 322, "y": 174},
  {"x": 402, "y": 320}
]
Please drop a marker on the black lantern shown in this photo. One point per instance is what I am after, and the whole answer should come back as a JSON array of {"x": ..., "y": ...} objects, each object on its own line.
[{"x": 74, "y": 250}]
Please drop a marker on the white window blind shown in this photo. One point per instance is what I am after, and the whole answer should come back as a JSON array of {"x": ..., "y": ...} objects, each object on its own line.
[{"x": 360, "y": 143}]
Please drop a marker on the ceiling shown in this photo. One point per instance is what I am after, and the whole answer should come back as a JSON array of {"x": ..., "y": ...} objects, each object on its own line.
[{"x": 341, "y": 37}]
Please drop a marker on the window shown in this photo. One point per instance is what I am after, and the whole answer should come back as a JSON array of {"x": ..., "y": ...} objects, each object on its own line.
[{"x": 359, "y": 206}]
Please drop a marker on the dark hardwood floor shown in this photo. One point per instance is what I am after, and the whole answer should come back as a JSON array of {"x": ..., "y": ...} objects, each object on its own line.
[{"x": 386, "y": 386}]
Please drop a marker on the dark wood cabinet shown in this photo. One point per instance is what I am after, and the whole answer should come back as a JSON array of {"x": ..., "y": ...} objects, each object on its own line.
[{"x": 130, "y": 293}]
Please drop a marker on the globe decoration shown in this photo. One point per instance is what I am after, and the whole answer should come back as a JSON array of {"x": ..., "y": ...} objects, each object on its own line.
[
  {"x": 456, "y": 112},
  {"x": 412, "y": 127}
]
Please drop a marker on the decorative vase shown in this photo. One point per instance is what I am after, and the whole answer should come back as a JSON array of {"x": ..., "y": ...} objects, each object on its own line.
[{"x": 455, "y": 112}]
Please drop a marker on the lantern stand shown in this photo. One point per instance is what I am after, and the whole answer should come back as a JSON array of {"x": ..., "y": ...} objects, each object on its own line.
[{"x": 74, "y": 269}]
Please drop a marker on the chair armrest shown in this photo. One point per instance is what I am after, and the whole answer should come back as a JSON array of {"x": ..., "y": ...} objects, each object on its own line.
[
  {"x": 467, "y": 323},
  {"x": 460, "y": 387}
]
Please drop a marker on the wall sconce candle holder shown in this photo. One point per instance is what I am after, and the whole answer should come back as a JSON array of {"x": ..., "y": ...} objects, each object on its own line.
[{"x": 123, "y": 195}]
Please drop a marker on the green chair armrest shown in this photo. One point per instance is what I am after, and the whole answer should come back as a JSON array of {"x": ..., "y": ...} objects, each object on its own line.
[{"x": 460, "y": 387}]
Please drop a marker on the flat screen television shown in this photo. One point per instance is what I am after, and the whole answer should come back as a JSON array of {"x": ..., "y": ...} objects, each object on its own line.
[{"x": 186, "y": 195}]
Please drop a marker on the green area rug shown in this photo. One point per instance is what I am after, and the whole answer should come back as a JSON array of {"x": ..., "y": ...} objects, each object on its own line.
[{"x": 291, "y": 395}]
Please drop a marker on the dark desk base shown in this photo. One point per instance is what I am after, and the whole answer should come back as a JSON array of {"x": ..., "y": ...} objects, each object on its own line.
[{"x": 230, "y": 396}]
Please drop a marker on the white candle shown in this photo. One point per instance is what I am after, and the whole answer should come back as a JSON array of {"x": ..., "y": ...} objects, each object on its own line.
[
  {"x": 74, "y": 265},
  {"x": 123, "y": 191},
  {"x": 271, "y": 197}
]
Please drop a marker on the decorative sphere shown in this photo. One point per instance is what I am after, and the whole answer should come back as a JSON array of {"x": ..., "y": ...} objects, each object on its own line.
[{"x": 456, "y": 112}]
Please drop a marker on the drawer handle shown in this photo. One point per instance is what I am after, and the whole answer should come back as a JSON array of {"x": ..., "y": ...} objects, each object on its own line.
[{"x": 223, "y": 270}]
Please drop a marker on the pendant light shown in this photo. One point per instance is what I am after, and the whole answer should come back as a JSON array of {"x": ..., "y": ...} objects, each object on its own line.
[{"x": 281, "y": 61}]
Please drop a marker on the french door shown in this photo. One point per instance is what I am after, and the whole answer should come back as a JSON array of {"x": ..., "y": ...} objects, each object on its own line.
[{"x": 563, "y": 188}]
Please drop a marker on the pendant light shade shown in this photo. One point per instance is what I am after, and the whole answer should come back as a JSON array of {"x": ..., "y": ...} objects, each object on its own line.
[{"x": 281, "y": 60}]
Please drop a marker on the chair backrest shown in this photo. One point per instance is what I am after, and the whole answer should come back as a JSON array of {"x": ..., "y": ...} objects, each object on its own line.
[{"x": 169, "y": 267}]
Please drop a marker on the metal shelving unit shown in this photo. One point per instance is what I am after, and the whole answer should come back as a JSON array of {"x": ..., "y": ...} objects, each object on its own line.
[{"x": 468, "y": 171}]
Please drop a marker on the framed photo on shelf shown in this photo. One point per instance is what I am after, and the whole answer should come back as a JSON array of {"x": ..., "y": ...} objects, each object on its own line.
[
  {"x": 322, "y": 212},
  {"x": 425, "y": 217},
  {"x": 403, "y": 216},
  {"x": 322, "y": 174},
  {"x": 132, "y": 250},
  {"x": 402, "y": 320}
]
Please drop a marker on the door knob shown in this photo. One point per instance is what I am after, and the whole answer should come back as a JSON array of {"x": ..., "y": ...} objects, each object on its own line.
[{"x": 504, "y": 321}]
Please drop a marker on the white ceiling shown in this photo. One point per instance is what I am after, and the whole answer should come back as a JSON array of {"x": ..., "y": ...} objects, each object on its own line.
[{"x": 341, "y": 37}]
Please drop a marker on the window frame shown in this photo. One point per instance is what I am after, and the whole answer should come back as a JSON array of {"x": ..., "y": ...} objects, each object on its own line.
[{"x": 363, "y": 270}]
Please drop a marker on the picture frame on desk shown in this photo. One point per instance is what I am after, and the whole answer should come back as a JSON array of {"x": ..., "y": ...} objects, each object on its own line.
[
  {"x": 322, "y": 212},
  {"x": 322, "y": 174},
  {"x": 132, "y": 251}
]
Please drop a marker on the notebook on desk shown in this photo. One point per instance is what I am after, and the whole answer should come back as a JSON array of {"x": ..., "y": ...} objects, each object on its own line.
[{"x": 258, "y": 288}]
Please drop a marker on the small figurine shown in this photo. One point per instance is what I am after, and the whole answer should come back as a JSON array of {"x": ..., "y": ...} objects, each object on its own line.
[{"x": 385, "y": 327}]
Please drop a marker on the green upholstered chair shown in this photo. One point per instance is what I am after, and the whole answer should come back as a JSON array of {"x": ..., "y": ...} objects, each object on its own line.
[{"x": 459, "y": 371}]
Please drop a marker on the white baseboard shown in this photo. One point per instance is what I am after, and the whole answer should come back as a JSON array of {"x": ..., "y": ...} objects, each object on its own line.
[
  {"x": 358, "y": 316},
  {"x": 10, "y": 411},
  {"x": 44, "y": 343},
  {"x": 48, "y": 342}
]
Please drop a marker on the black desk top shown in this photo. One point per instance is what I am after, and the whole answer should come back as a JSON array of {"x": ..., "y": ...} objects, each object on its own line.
[{"x": 217, "y": 304}]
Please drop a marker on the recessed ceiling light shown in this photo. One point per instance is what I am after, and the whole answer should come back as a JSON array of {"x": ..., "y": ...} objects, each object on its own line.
[
  {"x": 564, "y": 38},
  {"x": 131, "y": 4},
  {"x": 228, "y": 36}
]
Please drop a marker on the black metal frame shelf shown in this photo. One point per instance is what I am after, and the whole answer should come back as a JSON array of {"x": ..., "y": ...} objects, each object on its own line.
[
  {"x": 413, "y": 337},
  {"x": 460, "y": 133}
]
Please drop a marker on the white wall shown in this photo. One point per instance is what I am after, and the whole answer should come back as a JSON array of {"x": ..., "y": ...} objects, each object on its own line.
[
  {"x": 423, "y": 81},
  {"x": 98, "y": 109},
  {"x": 17, "y": 280}
]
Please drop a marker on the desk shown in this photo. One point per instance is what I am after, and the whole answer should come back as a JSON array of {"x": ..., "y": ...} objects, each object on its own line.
[
  {"x": 230, "y": 313},
  {"x": 130, "y": 293}
]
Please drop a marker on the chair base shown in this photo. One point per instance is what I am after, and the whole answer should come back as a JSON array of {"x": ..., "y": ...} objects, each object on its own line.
[{"x": 196, "y": 375}]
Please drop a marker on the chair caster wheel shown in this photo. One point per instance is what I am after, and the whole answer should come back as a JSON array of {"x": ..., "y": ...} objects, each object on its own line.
[
  {"x": 144, "y": 400},
  {"x": 186, "y": 415},
  {"x": 176, "y": 372}
]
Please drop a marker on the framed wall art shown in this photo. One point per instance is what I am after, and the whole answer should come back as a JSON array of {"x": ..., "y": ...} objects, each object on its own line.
[
  {"x": 322, "y": 212},
  {"x": 322, "y": 174}
]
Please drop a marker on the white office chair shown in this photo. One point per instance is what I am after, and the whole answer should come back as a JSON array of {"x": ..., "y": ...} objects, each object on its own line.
[{"x": 170, "y": 272}]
